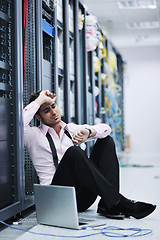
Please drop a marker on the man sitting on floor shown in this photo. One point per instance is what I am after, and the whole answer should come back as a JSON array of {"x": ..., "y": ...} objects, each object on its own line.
[{"x": 93, "y": 176}]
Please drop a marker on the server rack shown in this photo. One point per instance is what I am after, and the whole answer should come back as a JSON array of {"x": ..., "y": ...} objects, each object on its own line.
[
  {"x": 114, "y": 95},
  {"x": 29, "y": 86},
  {"x": 47, "y": 32},
  {"x": 120, "y": 65},
  {"x": 98, "y": 85},
  {"x": 11, "y": 184},
  {"x": 66, "y": 62},
  {"x": 86, "y": 77},
  {"x": 91, "y": 85},
  {"x": 71, "y": 57},
  {"x": 61, "y": 68},
  {"x": 83, "y": 69},
  {"x": 77, "y": 64},
  {"x": 39, "y": 66},
  {"x": 103, "y": 83},
  {"x": 59, "y": 60}
]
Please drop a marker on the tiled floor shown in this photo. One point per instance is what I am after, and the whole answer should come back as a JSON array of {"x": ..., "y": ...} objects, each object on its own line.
[{"x": 140, "y": 180}]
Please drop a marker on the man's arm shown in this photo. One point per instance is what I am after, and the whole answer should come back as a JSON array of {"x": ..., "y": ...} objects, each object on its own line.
[
  {"x": 87, "y": 133},
  {"x": 29, "y": 112},
  {"x": 82, "y": 135},
  {"x": 45, "y": 96}
]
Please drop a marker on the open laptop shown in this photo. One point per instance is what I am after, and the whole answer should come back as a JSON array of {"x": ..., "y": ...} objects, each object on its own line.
[{"x": 57, "y": 206}]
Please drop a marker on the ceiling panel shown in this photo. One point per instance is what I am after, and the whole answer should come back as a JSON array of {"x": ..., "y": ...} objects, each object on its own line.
[{"x": 115, "y": 21}]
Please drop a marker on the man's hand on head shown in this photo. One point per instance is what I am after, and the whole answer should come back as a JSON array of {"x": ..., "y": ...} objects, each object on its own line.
[{"x": 45, "y": 96}]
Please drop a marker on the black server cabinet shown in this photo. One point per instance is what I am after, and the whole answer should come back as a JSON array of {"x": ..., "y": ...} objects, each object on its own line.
[
  {"x": 66, "y": 62},
  {"x": 11, "y": 184},
  {"x": 86, "y": 78},
  {"x": 38, "y": 65},
  {"x": 83, "y": 69},
  {"x": 78, "y": 105},
  {"x": 6, "y": 171},
  {"x": 29, "y": 86},
  {"x": 48, "y": 40}
]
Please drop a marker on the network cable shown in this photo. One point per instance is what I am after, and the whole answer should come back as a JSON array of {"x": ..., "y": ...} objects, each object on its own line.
[{"x": 109, "y": 231}]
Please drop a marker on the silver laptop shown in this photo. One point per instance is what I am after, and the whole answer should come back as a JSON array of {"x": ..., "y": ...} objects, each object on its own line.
[{"x": 57, "y": 206}]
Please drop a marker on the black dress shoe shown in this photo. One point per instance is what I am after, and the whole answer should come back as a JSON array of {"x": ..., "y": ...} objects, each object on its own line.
[
  {"x": 135, "y": 209},
  {"x": 110, "y": 214}
]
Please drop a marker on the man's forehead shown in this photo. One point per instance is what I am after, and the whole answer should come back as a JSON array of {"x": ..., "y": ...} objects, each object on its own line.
[{"x": 46, "y": 105}]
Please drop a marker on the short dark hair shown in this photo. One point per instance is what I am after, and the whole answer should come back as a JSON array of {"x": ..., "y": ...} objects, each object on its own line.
[{"x": 34, "y": 96}]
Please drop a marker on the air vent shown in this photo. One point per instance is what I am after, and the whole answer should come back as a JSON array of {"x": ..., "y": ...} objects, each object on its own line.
[{"x": 143, "y": 25}]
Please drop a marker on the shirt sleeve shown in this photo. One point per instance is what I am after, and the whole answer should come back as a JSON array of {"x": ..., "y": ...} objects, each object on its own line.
[
  {"x": 102, "y": 130},
  {"x": 28, "y": 114},
  {"x": 29, "y": 111}
]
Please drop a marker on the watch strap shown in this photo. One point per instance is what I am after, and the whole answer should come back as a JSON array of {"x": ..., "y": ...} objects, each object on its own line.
[{"x": 90, "y": 132}]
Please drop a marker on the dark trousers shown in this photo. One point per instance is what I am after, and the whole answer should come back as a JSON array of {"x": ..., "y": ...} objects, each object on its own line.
[{"x": 97, "y": 175}]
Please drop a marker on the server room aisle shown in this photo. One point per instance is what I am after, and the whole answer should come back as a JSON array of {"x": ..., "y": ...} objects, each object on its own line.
[{"x": 140, "y": 180}]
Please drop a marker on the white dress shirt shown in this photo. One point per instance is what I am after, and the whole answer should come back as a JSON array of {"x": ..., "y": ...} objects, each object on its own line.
[{"x": 38, "y": 146}]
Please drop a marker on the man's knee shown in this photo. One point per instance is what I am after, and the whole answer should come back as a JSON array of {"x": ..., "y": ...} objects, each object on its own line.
[
  {"x": 107, "y": 141},
  {"x": 74, "y": 152},
  {"x": 110, "y": 140}
]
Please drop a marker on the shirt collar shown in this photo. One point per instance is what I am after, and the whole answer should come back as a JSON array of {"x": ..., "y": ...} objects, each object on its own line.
[{"x": 45, "y": 128}]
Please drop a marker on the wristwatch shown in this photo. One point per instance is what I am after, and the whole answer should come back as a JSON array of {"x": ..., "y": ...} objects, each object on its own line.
[{"x": 90, "y": 132}]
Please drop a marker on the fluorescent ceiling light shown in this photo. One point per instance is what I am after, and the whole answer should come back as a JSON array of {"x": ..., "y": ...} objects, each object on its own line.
[
  {"x": 143, "y": 25},
  {"x": 136, "y": 4}
]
